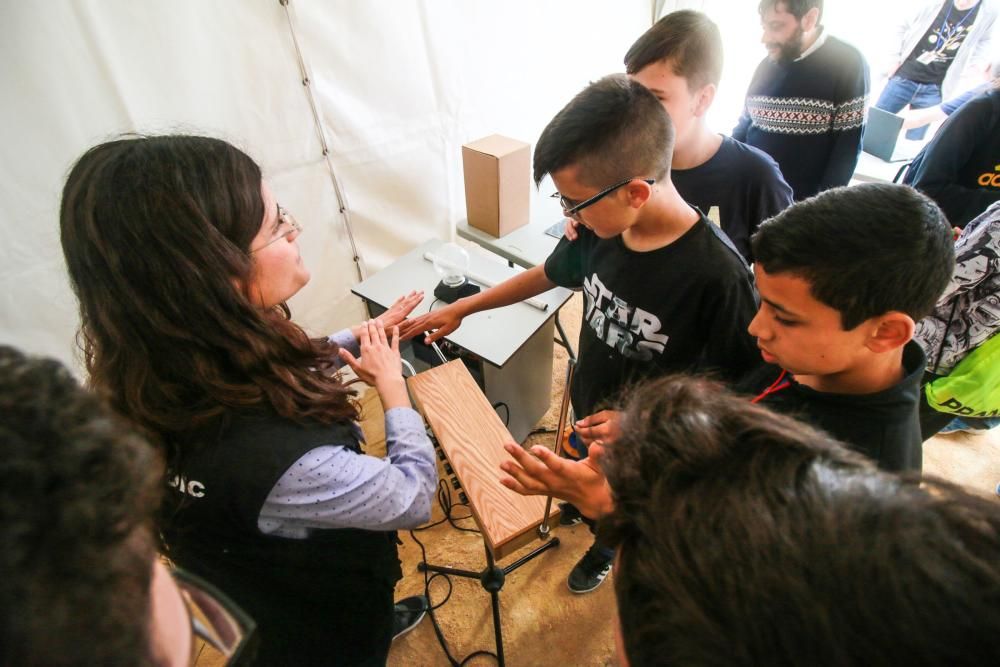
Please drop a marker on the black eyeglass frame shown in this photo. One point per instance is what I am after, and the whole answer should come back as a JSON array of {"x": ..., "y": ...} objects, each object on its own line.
[
  {"x": 571, "y": 211},
  {"x": 242, "y": 651}
]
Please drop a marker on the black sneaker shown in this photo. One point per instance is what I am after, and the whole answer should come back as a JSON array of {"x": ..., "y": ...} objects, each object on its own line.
[
  {"x": 590, "y": 571},
  {"x": 409, "y": 612},
  {"x": 569, "y": 514}
]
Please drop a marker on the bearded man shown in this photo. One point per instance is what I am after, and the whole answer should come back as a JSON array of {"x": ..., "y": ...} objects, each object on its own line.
[{"x": 805, "y": 106}]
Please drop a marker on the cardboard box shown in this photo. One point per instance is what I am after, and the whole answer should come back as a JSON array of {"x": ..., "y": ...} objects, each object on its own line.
[{"x": 497, "y": 183}]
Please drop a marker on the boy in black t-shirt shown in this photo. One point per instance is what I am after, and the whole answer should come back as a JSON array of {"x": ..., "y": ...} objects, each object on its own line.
[
  {"x": 663, "y": 289},
  {"x": 843, "y": 277}
]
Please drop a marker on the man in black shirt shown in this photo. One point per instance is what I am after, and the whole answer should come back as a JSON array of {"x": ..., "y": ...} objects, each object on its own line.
[
  {"x": 941, "y": 37},
  {"x": 664, "y": 290}
]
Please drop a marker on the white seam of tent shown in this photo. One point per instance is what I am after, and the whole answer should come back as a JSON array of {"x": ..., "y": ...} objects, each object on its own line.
[{"x": 321, "y": 131}]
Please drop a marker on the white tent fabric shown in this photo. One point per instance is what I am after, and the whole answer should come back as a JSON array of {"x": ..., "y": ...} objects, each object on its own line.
[{"x": 399, "y": 87}]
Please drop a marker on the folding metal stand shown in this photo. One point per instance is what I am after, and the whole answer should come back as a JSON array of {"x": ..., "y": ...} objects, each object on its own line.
[{"x": 492, "y": 580}]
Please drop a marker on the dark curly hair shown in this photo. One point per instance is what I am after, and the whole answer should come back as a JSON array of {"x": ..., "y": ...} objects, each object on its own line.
[
  {"x": 78, "y": 490},
  {"x": 156, "y": 232},
  {"x": 748, "y": 538}
]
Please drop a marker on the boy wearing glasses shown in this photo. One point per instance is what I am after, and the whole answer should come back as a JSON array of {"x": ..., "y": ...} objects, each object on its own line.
[{"x": 664, "y": 289}]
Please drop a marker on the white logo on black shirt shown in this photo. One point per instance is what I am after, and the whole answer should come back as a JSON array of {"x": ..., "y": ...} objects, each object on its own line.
[
  {"x": 192, "y": 488},
  {"x": 630, "y": 330}
]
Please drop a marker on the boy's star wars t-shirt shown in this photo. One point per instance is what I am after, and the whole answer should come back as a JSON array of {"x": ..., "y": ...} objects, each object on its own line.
[{"x": 683, "y": 307}]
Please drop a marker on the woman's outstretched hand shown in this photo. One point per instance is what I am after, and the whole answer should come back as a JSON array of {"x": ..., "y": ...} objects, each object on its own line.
[
  {"x": 397, "y": 312},
  {"x": 380, "y": 365}
]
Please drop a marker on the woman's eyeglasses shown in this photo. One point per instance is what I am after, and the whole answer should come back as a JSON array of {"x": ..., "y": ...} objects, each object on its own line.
[{"x": 287, "y": 225}]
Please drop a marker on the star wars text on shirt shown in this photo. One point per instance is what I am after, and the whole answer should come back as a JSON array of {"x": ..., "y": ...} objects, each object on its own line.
[{"x": 630, "y": 330}]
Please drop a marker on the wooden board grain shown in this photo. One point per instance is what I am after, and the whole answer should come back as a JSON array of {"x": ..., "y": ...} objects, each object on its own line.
[{"x": 471, "y": 435}]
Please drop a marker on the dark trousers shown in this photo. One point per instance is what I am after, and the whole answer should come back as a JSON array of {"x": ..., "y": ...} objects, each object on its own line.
[{"x": 357, "y": 632}]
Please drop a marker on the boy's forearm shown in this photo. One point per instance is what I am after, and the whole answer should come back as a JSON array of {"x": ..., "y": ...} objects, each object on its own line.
[{"x": 513, "y": 290}]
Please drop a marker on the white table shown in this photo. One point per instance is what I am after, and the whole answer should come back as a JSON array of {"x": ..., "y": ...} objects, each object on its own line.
[
  {"x": 512, "y": 346},
  {"x": 873, "y": 169},
  {"x": 526, "y": 246}
]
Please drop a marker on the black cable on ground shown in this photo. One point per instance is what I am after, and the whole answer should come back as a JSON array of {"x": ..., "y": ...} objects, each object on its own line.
[{"x": 447, "y": 506}]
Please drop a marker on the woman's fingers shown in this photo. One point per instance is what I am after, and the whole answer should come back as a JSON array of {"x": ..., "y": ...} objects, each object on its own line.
[
  {"x": 349, "y": 359},
  {"x": 380, "y": 332},
  {"x": 365, "y": 337},
  {"x": 403, "y": 306},
  {"x": 372, "y": 333},
  {"x": 395, "y": 339}
]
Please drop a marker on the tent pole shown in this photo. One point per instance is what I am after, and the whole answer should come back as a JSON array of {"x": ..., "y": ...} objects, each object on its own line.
[{"x": 321, "y": 131}]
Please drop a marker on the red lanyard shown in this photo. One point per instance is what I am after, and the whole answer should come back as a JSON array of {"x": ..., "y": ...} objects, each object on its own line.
[{"x": 783, "y": 382}]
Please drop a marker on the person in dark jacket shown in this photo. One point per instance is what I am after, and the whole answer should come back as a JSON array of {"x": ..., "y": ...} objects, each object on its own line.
[
  {"x": 182, "y": 261},
  {"x": 960, "y": 167}
]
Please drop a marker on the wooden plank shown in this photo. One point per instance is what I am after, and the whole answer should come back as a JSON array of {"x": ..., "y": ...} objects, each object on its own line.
[{"x": 471, "y": 435}]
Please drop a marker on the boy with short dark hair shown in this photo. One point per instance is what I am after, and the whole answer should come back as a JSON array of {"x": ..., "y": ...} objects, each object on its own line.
[
  {"x": 737, "y": 186},
  {"x": 843, "y": 278},
  {"x": 663, "y": 292}
]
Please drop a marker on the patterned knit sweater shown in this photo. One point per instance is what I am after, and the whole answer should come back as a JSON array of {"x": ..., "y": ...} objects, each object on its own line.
[{"x": 808, "y": 115}]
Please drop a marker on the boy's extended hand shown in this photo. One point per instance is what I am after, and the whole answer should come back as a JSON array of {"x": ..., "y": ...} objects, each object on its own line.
[
  {"x": 541, "y": 472},
  {"x": 443, "y": 321},
  {"x": 603, "y": 426}
]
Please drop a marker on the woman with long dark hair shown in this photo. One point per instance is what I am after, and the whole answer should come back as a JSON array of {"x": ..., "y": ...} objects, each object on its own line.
[{"x": 182, "y": 262}]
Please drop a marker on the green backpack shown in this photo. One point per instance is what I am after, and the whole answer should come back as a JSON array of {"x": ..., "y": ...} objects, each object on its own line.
[{"x": 972, "y": 389}]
